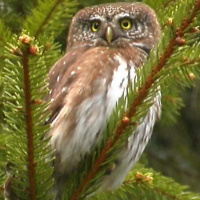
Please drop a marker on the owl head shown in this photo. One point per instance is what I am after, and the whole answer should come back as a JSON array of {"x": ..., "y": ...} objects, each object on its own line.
[{"x": 115, "y": 25}]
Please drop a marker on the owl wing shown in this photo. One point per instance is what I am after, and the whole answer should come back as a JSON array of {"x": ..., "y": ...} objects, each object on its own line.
[
  {"x": 84, "y": 87},
  {"x": 56, "y": 78}
]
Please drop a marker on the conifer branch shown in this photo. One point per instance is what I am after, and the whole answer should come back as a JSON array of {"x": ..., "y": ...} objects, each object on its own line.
[
  {"x": 29, "y": 122},
  {"x": 5, "y": 35},
  {"x": 187, "y": 21},
  {"x": 27, "y": 65},
  {"x": 164, "y": 193},
  {"x": 140, "y": 97},
  {"x": 48, "y": 17},
  {"x": 145, "y": 180}
]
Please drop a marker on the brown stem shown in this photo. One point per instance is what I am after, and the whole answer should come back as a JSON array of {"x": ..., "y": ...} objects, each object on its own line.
[
  {"x": 29, "y": 127},
  {"x": 141, "y": 95}
]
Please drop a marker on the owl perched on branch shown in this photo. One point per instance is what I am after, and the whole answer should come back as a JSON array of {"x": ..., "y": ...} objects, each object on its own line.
[{"x": 106, "y": 45}]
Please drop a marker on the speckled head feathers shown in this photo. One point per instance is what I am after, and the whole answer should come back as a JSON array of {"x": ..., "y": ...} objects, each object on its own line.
[
  {"x": 146, "y": 27},
  {"x": 111, "y": 9}
]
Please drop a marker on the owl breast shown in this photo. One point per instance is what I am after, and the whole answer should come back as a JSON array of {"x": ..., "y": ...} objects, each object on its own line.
[{"x": 84, "y": 95}]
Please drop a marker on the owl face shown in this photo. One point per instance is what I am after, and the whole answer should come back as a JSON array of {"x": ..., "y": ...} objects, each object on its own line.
[{"x": 114, "y": 25}]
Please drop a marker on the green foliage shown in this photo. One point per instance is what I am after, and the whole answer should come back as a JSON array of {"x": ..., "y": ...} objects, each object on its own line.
[
  {"x": 144, "y": 184},
  {"x": 24, "y": 78},
  {"x": 5, "y": 36},
  {"x": 26, "y": 57},
  {"x": 50, "y": 16},
  {"x": 14, "y": 13}
]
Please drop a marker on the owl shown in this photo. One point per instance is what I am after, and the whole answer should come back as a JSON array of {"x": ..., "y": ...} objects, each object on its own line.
[{"x": 105, "y": 47}]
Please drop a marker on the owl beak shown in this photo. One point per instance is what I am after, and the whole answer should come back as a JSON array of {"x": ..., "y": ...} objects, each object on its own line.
[{"x": 109, "y": 34}]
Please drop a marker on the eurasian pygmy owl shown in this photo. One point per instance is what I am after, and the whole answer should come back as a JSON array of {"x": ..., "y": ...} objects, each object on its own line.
[{"x": 106, "y": 45}]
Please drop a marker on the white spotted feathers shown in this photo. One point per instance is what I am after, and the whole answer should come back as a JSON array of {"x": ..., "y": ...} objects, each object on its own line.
[{"x": 87, "y": 82}]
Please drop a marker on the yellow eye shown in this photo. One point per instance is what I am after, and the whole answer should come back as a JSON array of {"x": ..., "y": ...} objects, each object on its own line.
[
  {"x": 126, "y": 24},
  {"x": 95, "y": 26}
]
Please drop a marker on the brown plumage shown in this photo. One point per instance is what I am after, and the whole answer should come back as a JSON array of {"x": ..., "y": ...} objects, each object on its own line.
[{"x": 106, "y": 45}]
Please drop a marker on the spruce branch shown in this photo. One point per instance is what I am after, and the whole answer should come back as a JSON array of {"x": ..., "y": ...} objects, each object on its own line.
[
  {"x": 5, "y": 36},
  {"x": 50, "y": 16},
  {"x": 162, "y": 186},
  {"x": 146, "y": 183},
  {"x": 164, "y": 193},
  {"x": 24, "y": 57},
  {"x": 25, "y": 114}
]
